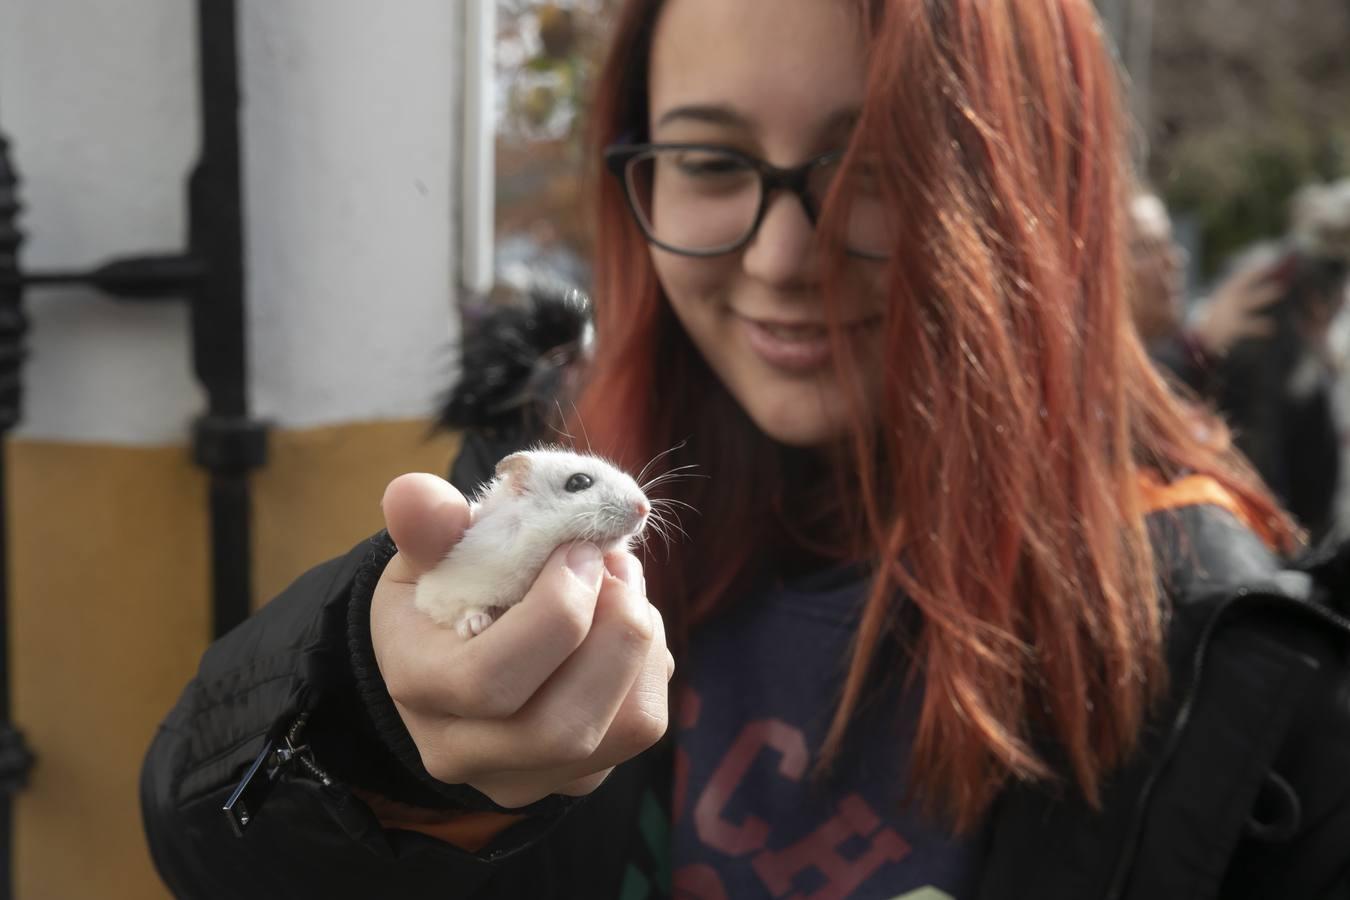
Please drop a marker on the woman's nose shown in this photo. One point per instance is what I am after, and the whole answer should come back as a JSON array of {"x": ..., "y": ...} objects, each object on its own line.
[{"x": 783, "y": 251}]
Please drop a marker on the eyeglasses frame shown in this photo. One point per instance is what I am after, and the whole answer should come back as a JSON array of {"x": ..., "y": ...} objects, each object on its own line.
[{"x": 794, "y": 179}]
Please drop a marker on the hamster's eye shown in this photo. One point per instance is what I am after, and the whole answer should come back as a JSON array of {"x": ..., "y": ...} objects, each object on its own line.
[{"x": 578, "y": 482}]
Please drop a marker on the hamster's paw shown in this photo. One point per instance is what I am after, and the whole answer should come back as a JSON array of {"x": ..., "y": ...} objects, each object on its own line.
[{"x": 473, "y": 621}]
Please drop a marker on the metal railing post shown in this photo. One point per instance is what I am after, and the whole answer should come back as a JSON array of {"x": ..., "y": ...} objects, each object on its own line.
[
  {"x": 15, "y": 757},
  {"x": 226, "y": 441}
]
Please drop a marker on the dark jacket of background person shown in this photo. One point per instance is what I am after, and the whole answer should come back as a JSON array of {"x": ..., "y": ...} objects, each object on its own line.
[
  {"x": 1183, "y": 359},
  {"x": 1240, "y": 788},
  {"x": 1290, "y": 437},
  {"x": 1284, "y": 428}
]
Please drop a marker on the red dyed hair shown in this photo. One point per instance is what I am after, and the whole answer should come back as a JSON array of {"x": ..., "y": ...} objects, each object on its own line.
[{"x": 993, "y": 480}]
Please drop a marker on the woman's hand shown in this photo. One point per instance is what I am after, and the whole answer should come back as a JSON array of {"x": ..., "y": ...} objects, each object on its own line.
[
  {"x": 566, "y": 685},
  {"x": 1236, "y": 310}
]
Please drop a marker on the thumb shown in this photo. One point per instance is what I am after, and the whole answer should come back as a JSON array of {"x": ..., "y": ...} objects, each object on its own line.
[{"x": 425, "y": 516}]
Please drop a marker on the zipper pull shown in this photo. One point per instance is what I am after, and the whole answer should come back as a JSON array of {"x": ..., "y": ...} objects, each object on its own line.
[{"x": 251, "y": 793}]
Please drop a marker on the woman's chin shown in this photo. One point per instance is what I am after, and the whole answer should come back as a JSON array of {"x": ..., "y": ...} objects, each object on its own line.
[{"x": 804, "y": 423}]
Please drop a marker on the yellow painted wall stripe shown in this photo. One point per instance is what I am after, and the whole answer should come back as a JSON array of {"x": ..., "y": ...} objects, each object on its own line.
[{"x": 110, "y": 612}]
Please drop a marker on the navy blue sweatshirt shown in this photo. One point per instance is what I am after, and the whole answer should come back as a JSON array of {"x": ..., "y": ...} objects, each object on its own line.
[{"x": 751, "y": 818}]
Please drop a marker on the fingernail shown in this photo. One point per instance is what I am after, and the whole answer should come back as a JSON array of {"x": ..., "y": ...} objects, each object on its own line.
[
  {"x": 586, "y": 563},
  {"x": 631, "y": 574}
]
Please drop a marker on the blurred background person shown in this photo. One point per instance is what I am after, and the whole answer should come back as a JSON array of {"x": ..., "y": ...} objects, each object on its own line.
[
  {"x": 1276, "y": 388},
  {"x": 1188, "y": 349},
  {"x": 1258, "y": 347}
]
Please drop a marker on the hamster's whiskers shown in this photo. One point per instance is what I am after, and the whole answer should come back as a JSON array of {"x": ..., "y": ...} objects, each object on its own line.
[
  {"x": 587, "y": 533},
  {"x": 659, "y": 522},
  {"x": 675, "y": 474},
  {"x": 671, "y": 501},
  {"x": 577, "y": 413},
  {"x": 651, "y": 462},
  {"x": 562, "y": 419}
]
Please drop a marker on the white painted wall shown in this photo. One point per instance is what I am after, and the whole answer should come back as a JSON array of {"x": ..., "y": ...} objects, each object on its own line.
[
  {"x": 99, "y": 104},
  {"x": 351, "y": 156},
  {"x": 350, "y": 131}
]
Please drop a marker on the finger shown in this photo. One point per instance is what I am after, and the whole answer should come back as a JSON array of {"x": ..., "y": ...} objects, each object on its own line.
[
  {"x": 493, "y": 674},
  {"x": 568, "y": 719},
  {"x": 1258, "y": 327},
  {"x": 1254, "y": 271},
  {"x": 641, "y": 721},
  {"x": 516, "y": 789},
  {"x": 580, "y": 787},
  {"x": 644, "y": 713},
  {"x": 627, "y": 568},
  {"x": 670, "y": 657},
  {"x": 425, "y": 516},
  {"x": 1246, "y": 275},
  {"x": 636, "y": 578},
  {"x": 1261, "y": 296}
]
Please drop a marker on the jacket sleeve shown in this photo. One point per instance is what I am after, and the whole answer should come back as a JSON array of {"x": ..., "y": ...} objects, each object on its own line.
[{"x": 293, "y": 662}]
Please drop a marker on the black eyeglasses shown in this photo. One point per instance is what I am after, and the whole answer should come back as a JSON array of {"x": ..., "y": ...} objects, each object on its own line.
[{"x": 708, "y": 200}]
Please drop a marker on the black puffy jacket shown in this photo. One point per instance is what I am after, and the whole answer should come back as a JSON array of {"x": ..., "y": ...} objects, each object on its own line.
[{"x": 1241, "y": 788}]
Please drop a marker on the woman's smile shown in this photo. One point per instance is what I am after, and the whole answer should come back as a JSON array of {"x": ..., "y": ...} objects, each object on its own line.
[{"x": 793, "y": 346}]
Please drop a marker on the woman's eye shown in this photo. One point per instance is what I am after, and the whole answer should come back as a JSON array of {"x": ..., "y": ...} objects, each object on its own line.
[
  {"x": 578, "y": 482},
  {"x": 709, "y": 165}
]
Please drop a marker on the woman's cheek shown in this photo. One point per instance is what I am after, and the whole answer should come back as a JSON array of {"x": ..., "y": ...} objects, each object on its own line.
[{"x": 689, "y": 280}]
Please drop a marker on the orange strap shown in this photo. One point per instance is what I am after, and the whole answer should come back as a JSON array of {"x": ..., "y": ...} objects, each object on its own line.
[
  {"x": 470, "y": 831},
  {"x": 1195, "y": 490}
]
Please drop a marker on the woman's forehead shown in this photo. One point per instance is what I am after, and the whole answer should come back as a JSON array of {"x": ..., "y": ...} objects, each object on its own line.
[{"x": 760, "y": 66}]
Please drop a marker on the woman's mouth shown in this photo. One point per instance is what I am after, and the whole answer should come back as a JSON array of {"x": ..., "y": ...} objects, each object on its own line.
[{"x": 793, "y": 346}]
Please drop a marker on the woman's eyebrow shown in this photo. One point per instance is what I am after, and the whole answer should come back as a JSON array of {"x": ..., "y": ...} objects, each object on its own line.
[
  {"x": 838, "y": 123},
  {"x": 712, "y": 114}
]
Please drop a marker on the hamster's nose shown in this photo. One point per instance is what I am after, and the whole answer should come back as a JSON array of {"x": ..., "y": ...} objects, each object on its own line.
[{"x": 643, "y": 507}]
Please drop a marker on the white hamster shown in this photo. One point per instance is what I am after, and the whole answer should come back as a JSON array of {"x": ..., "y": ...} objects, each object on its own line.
[{"x": 538, "y": 500}]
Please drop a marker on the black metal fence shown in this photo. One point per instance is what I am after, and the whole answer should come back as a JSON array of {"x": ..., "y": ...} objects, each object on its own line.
[{"x": 209, "y": 275}]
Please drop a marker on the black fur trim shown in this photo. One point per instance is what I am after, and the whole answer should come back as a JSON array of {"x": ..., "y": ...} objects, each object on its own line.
[{"x": 513, "y": 360}]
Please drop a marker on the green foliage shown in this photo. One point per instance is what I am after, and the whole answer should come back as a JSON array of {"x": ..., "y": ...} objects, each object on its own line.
[
  {"x": 1236, "y": 185},
  {"x": 547, "y": 88},
  {"x": 549, "y": 54}
]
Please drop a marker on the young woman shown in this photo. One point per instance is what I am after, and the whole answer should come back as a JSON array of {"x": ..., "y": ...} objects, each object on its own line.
[{"x": 971, "y": 606}]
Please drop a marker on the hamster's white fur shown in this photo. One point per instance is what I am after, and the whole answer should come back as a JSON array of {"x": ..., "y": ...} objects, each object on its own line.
[{"x": 538, "y": 500}]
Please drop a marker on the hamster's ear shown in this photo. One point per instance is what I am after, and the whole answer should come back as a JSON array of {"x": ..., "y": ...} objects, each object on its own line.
[{"x": 515, "y": 469}]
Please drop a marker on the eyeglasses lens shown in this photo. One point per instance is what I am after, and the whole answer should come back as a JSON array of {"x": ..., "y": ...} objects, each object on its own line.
[
  {"x": 704, "y": 201},
  {"x": 696, "y": 201}
]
